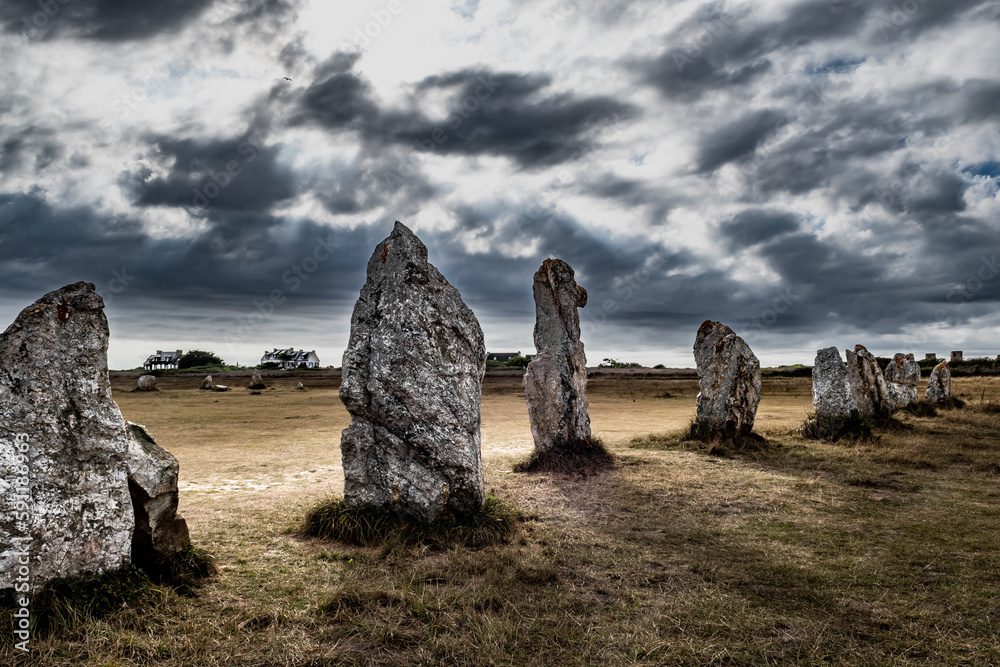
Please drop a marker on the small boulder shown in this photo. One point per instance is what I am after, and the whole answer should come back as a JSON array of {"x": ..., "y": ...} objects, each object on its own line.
[
  {"x": 152, "y": 483},
  {"x": 938, "y": 390},
  {"x": 729, "y": 378},
  {"x": 147, "y": 383},
  {"x": 256, "y": 382},
  {"x": 300, "y": 387},
  {"x": 220, "y": 387},
  {"x": 902, "y": 375},
  {"x": 832, "y": 398},
  {"x": 412, "y": 381},
  {"x": 208, "y": 384},
  {"x": 868, "y": 386}
]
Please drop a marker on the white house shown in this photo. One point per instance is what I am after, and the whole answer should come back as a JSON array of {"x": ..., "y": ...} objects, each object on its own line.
[
  {"x": 162, "y": 360},
  {"x": 291, "y": 358}
]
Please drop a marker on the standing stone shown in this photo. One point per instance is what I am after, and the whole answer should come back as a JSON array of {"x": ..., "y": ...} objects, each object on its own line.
[
  {"x": 147, "y": 383},
  {"x": 256, "y": 382},
  {"x": 868, "y": 387},
  {"x": 300, "y": 387},
  {"x": 939, "y": 385},
  {"x": 152, "y": 483},
  {"x": 63, "y": 443},
  {"x": 832, "y": 397},
  {"x": 902, "y": 375},
  {"x": 412, "y": 380},
  {"x": 208, "y": 384},
  {"x": 729, "y": 377},
  {"x": 555, "y": 383}
]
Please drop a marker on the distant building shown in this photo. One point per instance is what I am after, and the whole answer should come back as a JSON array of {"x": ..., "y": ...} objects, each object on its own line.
[
  {"x": 956, "y": 356},
  {"x": 930, "y": 356},
  {"x": 163, "y": 361},
  {"x": 502, "y": 356},
  {"x": 291, "y": 358}
]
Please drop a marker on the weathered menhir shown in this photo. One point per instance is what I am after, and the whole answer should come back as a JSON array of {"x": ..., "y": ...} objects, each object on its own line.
[
  {"x": 67, "y": 457},
  {"x": 412, "y": 381},
  {"x": 729, "y": 379}
]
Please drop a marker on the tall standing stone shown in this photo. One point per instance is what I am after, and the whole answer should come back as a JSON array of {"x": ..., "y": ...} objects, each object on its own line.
[
  {"x": 208, "y": 383},
  {"x": 64, "y": 496},
  {"x": 729, "y": 378},
  {"x": 412, "y": 381},
  {"x": 868, "y": 386},
  {"x": 832, "y": 398},
  {"x": 938, "y": 389},
  {"x": 555, "y": 383},
  {"x": 902, "y": 375}
]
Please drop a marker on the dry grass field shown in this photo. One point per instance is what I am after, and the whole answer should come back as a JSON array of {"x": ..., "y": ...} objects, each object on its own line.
[{"x": 885, "y": 552}]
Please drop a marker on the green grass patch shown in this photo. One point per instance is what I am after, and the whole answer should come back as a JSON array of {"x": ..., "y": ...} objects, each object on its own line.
[{"x": 495, "y": 523}]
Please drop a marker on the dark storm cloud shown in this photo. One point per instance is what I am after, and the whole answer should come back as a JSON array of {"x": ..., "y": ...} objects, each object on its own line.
[
  {"x": 756, "y": 226},
  {"x": 738, "y": 138},
  {"x": 236, "y": 257},
  {"x": 30, "y": 146},
  {"x": 492, "y": 113},
  {"x": 106, "y": 20},
  {"x": 717, "y": 49},
  {"x": 235, "y": 174}
]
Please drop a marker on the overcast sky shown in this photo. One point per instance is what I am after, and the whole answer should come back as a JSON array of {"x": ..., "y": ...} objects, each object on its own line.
[{"x": 811, "y": 173}]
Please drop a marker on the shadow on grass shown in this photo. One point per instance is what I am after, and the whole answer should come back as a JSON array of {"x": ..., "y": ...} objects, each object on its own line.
[
  {"x": 495, "y": 523},
  {"x": 65, "y": 603}
]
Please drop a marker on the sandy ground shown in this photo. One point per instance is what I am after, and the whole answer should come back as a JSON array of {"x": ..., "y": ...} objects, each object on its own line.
[{"x": 239, "y": 450}]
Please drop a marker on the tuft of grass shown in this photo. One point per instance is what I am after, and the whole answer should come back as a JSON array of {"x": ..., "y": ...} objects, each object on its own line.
[
  {"x": 721, "y": 442},
  {"x": 64, "y": 604},
  {"x": 183, "y": 571},
  {"x": 922, "y": 409},
  {"x": 495, "y": 523},
  {"x": 853, "y": 427},
  {"x": 582, "y": 458}
]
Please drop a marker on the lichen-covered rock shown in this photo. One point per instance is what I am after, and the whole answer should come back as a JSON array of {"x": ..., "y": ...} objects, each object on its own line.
[
  {"x": 146, "y": 383},
  {"x": 832, "y": 398},
  {"x": 729, "y": 378},
  {"x": 152, "y": 483},
  {"x": 412, "y": 381},
  {"x": 256, "y": 382},
  {"x": 208, "y": 384},
  {"x": 64, "y": 499},
  {"x": 902, "y": 375},
  {"x": 868, "y": 386},
  {"x": 938, "y": 390},
  {"x": 300, "y": 387},
  {"x": 555, "y": 383},
  {"x": 220, "y": 387}
]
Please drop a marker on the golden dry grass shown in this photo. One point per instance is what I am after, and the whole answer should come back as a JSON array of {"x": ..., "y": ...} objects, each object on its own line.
[{"x": 882, "y": 553}]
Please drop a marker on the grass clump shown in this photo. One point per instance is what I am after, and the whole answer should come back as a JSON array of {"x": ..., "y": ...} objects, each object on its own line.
[
  {"x": 722, "y": 442},
  {"x": 922, "y": 409},
  {"x": 65, "y": 603},
  {"x": 495, "y": 523},
  {"x": 587, "y": 457},
  {"x": 852, "y": 427},
  {"x": 183, "y": 571}
]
